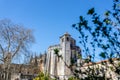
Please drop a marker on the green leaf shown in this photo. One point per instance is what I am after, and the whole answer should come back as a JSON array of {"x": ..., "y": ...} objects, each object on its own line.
[
  {"x": 91, "y": 11},
  {"x": 104, "y": 47},
  {"x": 81, "y": 18},
  {"x": 103, "y": 55},
  {"x": 56, "y": 51},
  {"x": 73, "y": 25},
  {"x": 111, "y": 55},
  {"x": 107, "y": 13}
]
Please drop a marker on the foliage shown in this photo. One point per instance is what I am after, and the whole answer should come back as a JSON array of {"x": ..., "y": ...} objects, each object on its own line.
[
  {"x": 42, "y": 76},
  {"x": 72, "y": 78},
  {"x": 100, "y": 34},
  {"x": 56, "y": 51}
]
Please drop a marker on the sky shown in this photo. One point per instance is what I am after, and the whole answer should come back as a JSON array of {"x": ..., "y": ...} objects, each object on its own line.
[{"x": 49, "y": 19}]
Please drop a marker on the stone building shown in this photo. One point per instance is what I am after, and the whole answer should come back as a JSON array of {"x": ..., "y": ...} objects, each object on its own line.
[
  {"x": 38, "y": 62},
  {"x": 58, "y": 67},
  {"x": 108, "y": 69}
]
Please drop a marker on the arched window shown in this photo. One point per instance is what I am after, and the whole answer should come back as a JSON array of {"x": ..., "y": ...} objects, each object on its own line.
[{"x": 67, "y": 39}]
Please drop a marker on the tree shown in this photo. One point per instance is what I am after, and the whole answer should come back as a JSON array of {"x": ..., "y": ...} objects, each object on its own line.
[
  {"x": 14, "y": 41},
  {"x": 99, "y": 35},
  {"x": 103, "y": 33}
]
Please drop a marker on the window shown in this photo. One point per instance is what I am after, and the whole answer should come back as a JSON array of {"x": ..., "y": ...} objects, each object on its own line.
[{"x": 67, "y": 39}]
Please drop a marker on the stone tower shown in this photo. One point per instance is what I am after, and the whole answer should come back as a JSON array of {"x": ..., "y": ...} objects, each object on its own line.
[{"x": 65, "y": 42}]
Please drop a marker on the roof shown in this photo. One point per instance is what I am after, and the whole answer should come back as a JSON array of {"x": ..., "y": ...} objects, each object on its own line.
[
  {"x": 57, "y": 45},
  {"x": 103, "y": 61},
  {"x": 65, "y": 34}
]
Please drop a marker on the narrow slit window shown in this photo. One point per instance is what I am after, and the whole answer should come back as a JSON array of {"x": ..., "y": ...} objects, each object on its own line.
[{"x": 67, "y": 39}]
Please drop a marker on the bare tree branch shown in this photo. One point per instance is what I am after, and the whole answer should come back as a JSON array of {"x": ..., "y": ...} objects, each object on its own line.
[{"x": 14, "y": 40}]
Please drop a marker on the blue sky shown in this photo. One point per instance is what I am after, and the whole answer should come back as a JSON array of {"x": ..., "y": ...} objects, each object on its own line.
[{"x": 49, "y": 19}]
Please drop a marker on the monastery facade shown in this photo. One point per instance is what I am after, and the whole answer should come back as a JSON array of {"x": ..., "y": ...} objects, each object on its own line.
[{"x": 57, "y": 67}]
